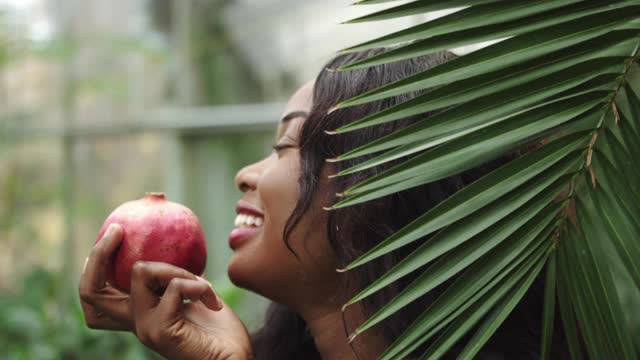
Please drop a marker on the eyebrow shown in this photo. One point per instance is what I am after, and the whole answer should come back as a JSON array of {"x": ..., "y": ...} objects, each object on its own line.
[{"x": 294, "y": 114}]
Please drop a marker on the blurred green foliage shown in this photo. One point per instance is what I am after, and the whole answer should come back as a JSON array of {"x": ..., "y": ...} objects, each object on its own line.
[
  {"x": 33, "y": 325},
  {"x": 3, "y": 42},
  {"x": 40, "y": 314},
  {"x": 4, "y": 38}
]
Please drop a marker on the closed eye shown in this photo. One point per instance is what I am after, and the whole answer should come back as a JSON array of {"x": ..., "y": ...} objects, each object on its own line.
[{"x": 279, "y": 147}]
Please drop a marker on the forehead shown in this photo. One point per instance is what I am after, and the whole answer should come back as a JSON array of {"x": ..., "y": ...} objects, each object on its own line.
[
  {"x": 301, "y": 99},
  {"x": 297, "y": 108}
]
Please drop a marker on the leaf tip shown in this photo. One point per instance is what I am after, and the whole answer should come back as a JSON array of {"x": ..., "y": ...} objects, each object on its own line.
[
  {"x": 332, "y": 110},
  {"x": 352, "y": 337}
]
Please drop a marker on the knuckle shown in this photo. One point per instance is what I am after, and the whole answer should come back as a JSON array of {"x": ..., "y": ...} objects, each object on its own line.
[
  {"x": 187, "y": 274},
  {"x": 182, "y": 273},
  {"x": 140, "y": 269},
  {"x": 177, "y": 284}
]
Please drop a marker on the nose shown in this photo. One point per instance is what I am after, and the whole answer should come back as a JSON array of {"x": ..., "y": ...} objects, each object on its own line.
[{"x": 247, "y": 178}]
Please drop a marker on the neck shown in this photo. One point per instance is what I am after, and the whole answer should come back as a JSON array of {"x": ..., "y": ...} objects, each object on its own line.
[{"x": 331, "y": 339}]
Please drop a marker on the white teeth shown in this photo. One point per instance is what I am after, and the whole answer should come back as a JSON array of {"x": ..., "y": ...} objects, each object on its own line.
[
  {"x": 240, "y": 219},
  {"x": 248, "y": 220}
]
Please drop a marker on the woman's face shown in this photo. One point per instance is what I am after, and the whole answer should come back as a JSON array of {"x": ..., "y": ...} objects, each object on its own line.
[{"x": 261, "y": 261}]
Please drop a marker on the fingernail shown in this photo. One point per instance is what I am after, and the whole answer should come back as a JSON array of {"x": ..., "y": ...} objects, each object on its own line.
[
  {"x": 109, "y": 231},
  {"x": 112, "y": 229},
  {"x": 84, "y": 267},
  {"x": 205, "y": 280}
]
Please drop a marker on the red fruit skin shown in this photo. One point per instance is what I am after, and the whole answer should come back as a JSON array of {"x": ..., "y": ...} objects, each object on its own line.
[{"x": 155, "y": 229}]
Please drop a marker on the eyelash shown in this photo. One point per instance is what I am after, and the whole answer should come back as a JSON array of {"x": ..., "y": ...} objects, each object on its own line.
[{"x": 279, "y": 147}]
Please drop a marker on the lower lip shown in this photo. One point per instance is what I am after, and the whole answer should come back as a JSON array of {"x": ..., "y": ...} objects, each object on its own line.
[{"x": 237, "y": 235}]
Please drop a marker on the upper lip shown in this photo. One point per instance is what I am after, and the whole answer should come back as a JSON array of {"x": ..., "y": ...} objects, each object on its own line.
[{"x": 245, "y": 207}]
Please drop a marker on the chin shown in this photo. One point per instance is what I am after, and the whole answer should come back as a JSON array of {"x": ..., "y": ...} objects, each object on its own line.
[
  {"x": 248, "y": 275},
  {"x": 244, "y": 274},
  {"x": 236, "y": 274}
]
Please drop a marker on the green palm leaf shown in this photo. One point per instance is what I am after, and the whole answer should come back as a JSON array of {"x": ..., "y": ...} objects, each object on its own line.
[
  {"x": 460, "y": 258},
  {"x": 567, "y": 73},
  {"x": 549, "y": 307},
  {"x": 611, "y": 44},
  {"x": 499, "y": 312},
  {"x": 483, "y": 111},
  {"x": 416, "y": 7},
  {"x": 458, "y": 233},
  {"x": 486, "y": 139},
  {"x": 474, "y": 283},
  {"x": 476, "y": 33}
]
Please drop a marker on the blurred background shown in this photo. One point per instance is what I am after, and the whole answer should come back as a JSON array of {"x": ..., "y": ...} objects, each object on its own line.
[{"x": 102, "y": 101}]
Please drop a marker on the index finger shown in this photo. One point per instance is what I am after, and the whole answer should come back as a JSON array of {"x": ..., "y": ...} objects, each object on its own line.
[
  {"x": 95, "y": 272},
  {"x": 149, "y": 281}
]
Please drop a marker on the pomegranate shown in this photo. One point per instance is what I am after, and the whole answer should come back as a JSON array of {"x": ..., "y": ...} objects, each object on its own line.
[{"x": 155, "y": 229}]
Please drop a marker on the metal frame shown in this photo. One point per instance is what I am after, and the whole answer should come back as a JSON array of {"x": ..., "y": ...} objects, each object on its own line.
[{"x": 183, "y": 120}]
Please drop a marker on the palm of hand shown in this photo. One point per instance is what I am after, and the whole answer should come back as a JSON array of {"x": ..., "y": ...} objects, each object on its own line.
[{"x": 223, "y": 325}]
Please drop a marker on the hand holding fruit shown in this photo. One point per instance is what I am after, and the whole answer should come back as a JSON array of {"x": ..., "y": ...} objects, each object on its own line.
[
  {"x": 155, "y": 310},
  {"x": 203, "y": 329},
  {"x": 104, "y": 306}
]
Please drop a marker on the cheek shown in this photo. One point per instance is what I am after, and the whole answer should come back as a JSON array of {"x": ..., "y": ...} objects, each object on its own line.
[
  {"x": 278, "y": 192},
  {"x": 264, "y": 264},
  {"x": 269, "y": 268}
]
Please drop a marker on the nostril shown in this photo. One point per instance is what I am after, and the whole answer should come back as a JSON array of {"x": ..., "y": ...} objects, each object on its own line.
[{"x": 244, "y": 186}]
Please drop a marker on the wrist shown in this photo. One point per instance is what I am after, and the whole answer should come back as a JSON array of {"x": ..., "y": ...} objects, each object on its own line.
[
  {"x": 235, "y": 356},
  {"x": 231, "y": 352},
  {"x": 213, "y": 349}
]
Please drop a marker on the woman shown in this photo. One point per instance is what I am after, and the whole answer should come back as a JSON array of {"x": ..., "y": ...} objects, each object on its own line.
[{"x": 292, "y": 256}]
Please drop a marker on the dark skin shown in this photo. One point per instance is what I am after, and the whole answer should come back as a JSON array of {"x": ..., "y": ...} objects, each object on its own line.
[{"x": 205, "y": 328}]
